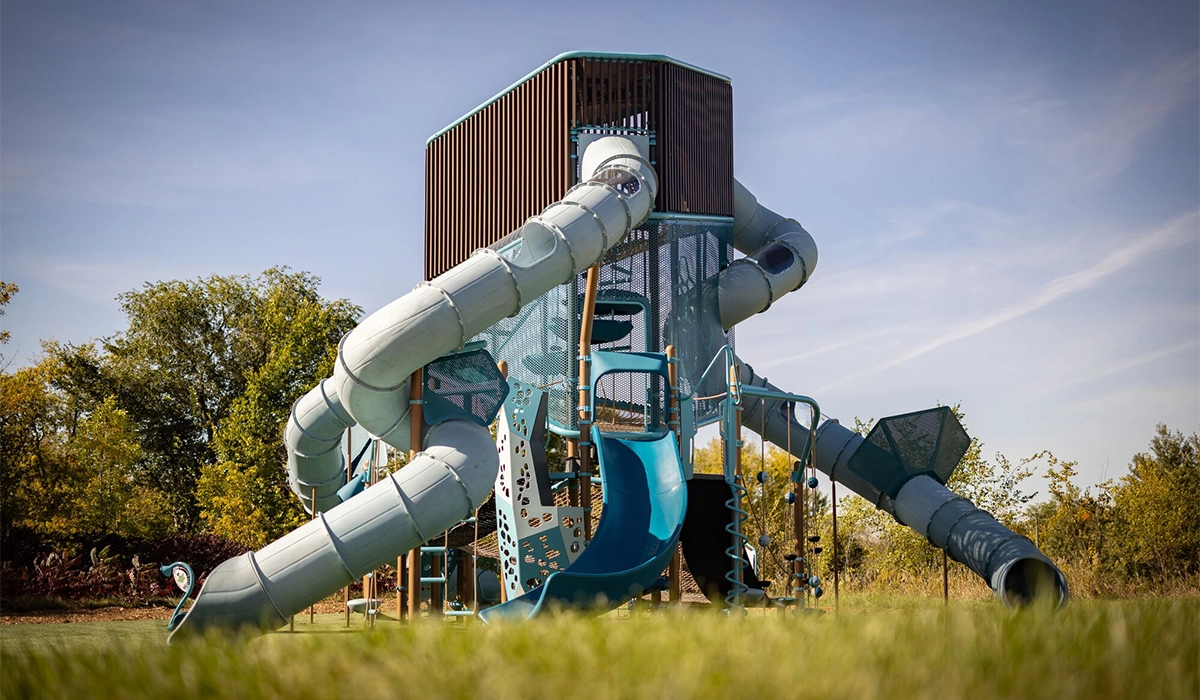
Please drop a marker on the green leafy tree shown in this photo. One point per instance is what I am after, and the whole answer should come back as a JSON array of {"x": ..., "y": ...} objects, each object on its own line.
[
  {"x": 68, "y": 474},
  {"x": 244, "y": 494},
  {"x": 1157, "y": 507},
  {"x": 7, "y": 290},
  {"x": 34, "y": 424},
  {"x": 196, "y": 355}
]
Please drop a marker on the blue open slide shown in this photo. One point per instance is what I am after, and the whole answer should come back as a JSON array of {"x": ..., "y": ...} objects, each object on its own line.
[{"x": 645, "y": 500}]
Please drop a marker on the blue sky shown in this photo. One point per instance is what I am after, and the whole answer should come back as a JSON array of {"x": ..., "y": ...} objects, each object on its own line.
[{"x": 1005, "y": 195}]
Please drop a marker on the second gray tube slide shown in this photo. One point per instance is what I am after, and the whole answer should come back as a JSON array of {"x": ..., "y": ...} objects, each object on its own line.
[
  {"x": 264, "y": 589},
  {"x": 1009, "y": 563}
]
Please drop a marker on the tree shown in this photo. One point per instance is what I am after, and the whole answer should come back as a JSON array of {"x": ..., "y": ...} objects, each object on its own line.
[
  {"x": 33, "y": 425},
  {"x": 1158, "y": 507},
  {"x": 194, "y": 354},
  {"x": 7, "y": 290},
  {"x": 244, "y": 494}
]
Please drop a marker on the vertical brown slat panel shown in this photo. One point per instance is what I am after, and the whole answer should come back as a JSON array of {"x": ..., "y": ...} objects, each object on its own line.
[
  {"x": 526, "y": 151},
  {"x": 510, "y": 160},
  {"x": 488, "y": 153},
  {"x": 556, "y": 101},
  {"x": 539, "y": 121},
  {"x": 429, "y": 208},
  {"x": 459, "y": 188},
  {"x": 479, "y": 186},
  {"x": 522, "y": 184},
  {"x": 467, "y": 211}
]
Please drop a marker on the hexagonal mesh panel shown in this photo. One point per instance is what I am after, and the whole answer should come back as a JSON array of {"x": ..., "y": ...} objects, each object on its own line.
[
  {"x": 929, "y": 442},
  {"x": 465, "y": 386}
]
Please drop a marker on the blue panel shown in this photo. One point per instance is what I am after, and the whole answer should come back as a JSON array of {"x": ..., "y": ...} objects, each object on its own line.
[{"x": 645, "y": 501}]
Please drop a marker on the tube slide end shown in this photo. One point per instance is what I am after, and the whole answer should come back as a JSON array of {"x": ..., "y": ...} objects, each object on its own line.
[
  {"x": 232, "y": 597},
  {"x": 1030, "y": 580}
]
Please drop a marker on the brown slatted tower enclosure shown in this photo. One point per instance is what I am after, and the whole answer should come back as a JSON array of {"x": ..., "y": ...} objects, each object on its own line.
[{"x": 515, "y": 154}]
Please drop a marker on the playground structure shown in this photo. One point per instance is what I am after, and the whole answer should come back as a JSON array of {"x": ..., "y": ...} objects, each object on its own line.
[{"x": 607, "y": 318}]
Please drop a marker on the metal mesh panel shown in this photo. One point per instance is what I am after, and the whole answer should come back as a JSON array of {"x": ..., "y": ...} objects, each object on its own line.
[
  {"x": 900, "y": 447},
  {"x": 954, "y": 444},
  {"x": 656, "y": 288},
  {"x": 464, "y": 386}
]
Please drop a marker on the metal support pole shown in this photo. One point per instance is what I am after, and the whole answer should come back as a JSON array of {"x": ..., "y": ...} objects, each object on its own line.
[
  {"x": 370, "y": 586},
  {"x": 836, "y": 560},
  {"x": 734, "y": 382},
  {"x": 573, "y": 484},
  {"x": 945, "y": 579},
  {"x": 674, "y": 568}
]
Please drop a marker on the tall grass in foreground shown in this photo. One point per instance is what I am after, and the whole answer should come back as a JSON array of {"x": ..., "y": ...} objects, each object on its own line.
[{"x": 1147, "y": 648}]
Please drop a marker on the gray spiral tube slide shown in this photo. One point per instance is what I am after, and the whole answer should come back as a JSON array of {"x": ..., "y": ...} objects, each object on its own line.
[
  {"x": 1010, "y": 564},
  {"x": 263, "y": 589},
  {"x": 780, "y": 257},
  {"x": 369, "y": 386},
  {"x": 370, "y": 381}
]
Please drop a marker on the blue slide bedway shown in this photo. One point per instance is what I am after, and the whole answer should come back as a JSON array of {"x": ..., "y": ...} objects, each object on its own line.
[{"x": 645, "y": 500}]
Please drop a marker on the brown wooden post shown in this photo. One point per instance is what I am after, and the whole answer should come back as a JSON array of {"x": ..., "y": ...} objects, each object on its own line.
[
  {"x": 435, "y": 589},
  {"x": 463, "y": 587},
  {"x": 312, "y": 608},
  {"x": 349, "y": 475},
  {"x": 400, "y": 572},
  {"x": 585, "y": 414},
  {"x": 416, "y": 415}
]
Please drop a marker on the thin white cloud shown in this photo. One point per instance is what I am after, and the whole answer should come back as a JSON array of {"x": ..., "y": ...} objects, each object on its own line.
[
  {"x": 1065, "y": 140},
  {"x": 1128, "y": 364},
  {"x": 1174, "y": 233},
  {"x": 1099, "y": 136},
  {"x": 848, "y": 342}
]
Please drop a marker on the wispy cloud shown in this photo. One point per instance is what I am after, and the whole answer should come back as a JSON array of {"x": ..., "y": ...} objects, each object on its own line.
[
  {"x": 1075, "y": 140},
  {"x": 1127, "y": 364},
  {"x": 830, "y": 347},
  {"x": 1174, "y": 233},
  {"x": 1093, "y": 139}
]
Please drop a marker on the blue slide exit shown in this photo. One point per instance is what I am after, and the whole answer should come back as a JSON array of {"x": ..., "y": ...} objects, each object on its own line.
[{"x": 645, "y": 501}]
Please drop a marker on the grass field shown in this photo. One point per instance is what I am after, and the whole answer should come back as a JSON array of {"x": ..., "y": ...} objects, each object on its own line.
[{"x": 873, "y": 648}]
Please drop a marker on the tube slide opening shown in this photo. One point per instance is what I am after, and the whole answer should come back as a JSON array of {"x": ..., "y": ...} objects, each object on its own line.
[
  {"x": 776, "y": 258},
  {"x": 620, "y": 180},
  {"x": 1032, "y": 580},
  {"x": 537, "y": 243}
]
